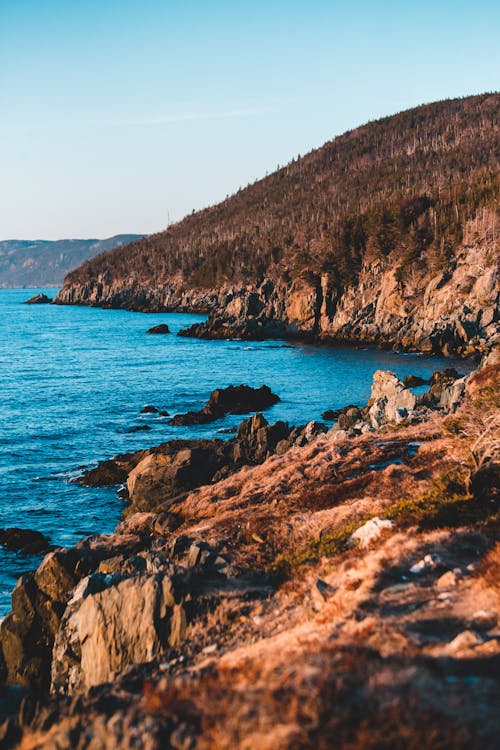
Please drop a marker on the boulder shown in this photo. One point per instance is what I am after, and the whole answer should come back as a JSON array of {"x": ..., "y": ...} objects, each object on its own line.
[
  {"x": 439, "y": 382},
  {"x": 38, "y": 603},
  {"x": 111, "y": 472},
  {"x": 39, "y": 299},
  {"x": 390, "y": 400},
  {"x": 159, "y": 478},
  {"x": 312, "y": 430},
  {"x": 112, "y": 623},
  {"x": 370, "y": 531},
  {"x": 241, "y": 399},
  {"x": 24, "y": 540},
  {"x": 349, "y": 417},
  {"x": 256, "y": 440},
  {"x": 452, "y": 396},
  {"x": 162, "y": 328}
]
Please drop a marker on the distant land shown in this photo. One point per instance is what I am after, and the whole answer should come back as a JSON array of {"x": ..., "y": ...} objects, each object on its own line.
[{"x": 45, "y": 263}]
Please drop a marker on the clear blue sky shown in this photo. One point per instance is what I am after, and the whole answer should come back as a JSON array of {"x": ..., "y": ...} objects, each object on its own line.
[{"x": 117, "y": 115}]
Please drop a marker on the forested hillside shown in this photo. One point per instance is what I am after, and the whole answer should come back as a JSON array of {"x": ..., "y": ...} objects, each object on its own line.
[{"x": 405, "y": 186}]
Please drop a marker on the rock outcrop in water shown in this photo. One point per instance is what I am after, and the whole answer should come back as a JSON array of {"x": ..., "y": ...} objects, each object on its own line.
[
  {"x": 28, "y": 541},
  {"x": 39, "y": 299},
  {"x": 235, "y": 399},
  {"x": 162, "y": 328},
  {"x": 287, "y": 605}
]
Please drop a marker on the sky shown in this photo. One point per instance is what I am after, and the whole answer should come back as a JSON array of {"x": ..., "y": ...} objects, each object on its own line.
[{"x": 120, "y": 116}]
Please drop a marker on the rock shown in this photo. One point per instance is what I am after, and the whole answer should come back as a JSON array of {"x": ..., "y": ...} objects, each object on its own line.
[
  {"x": 491, "y": 359},
  {"x": 324, "y": 589},
  {"x": 39, "y": 299},
  {"x": 312, "y": 430},
  {"x": 162, "y": 328},
  {"x": 452, "y": 395},
  {"x": 389, "y": 395},
  {"x": 149, "y": 410},
  {"x": 254, "y": 444},
  {"x": 444, "y": 376},
  {"x": 128, "y": 622},
  {"x": 38, "y": 603},
  {"x": 413, "y": 381},
  {"x": 164, "y": 413},
  {"x": 440, "y": 383},
  {"x": 370, "y": 531},
  {"x": 239, "y": 399},
  {"x": 138, "y": 428},
  {"x": 330, "y": 414},
  {"x": 427, "y": 563},
  {"x": 112, "y": 472},
  {"x": 158, "y": 477},
  {"x": 337, "y": 435},
  {"x": 25, "y": 540},
  {"x": 348, "y": 417},
  {"x": 199, "y": 553},
  {"x": 464, "y": 642},
  {"x": 447, "y": 581}
]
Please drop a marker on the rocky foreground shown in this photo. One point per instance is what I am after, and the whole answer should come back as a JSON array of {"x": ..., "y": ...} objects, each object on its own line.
[{"x": 342, "y": 590}]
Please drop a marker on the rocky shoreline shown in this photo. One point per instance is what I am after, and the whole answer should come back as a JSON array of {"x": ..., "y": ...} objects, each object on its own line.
[
  {"x": 454, "y": 312},
  {"x": 371, "y": 548}
]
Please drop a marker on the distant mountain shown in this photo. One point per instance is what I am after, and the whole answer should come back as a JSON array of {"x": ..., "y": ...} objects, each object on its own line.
[{"x": 45, "y": 263}]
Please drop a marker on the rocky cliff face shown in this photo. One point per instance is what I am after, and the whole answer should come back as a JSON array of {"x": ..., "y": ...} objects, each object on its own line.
[{"x": 455, "y": 311}]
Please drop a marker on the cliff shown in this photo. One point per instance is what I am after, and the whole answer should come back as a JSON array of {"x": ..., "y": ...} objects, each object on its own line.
[{"x": 387, "y": 234}]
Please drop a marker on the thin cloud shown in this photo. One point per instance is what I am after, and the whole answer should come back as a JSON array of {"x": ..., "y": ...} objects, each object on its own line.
[{"x": 168, "y": 119}]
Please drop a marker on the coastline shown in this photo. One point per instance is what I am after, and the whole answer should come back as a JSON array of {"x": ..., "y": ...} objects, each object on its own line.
[{"x": 192, "y": 557}]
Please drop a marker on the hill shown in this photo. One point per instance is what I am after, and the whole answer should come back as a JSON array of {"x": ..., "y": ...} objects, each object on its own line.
[
  {"x": 45, "y": 263},
  {"x": 342, "y": 242}
]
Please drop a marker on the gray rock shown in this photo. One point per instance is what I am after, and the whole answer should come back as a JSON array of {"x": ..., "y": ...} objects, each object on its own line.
[
  {"x": 452, "y": 396},
  {"x": 389, "y": 396},
  {"x": 131, "y": 621}
]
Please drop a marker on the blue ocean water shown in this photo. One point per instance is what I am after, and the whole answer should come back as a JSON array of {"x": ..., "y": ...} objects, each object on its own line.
[{"x": 73, "y": 380}]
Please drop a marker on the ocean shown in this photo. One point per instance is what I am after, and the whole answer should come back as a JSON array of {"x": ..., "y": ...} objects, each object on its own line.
[{"x": 74, "y": 381}]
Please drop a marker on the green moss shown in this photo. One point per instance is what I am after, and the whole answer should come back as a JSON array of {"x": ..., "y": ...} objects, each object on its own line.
[
  {"x": 329, "y": 544},
  {"x": 447, "y": 503}
]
